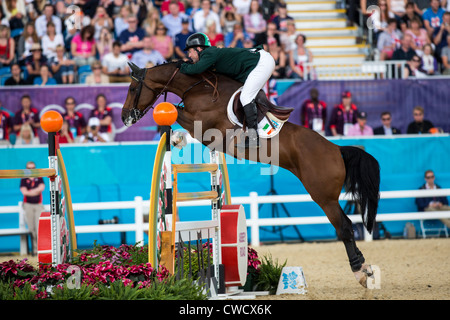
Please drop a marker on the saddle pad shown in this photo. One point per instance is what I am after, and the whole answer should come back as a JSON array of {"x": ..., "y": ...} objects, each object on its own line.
[{"x": 265, "y": 129}]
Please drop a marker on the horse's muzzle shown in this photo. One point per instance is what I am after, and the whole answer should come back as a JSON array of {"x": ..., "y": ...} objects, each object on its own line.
[{"x": 130, "y": 117}]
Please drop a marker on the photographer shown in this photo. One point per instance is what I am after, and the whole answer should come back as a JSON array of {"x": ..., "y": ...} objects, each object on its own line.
[{"x": 94, "y": 134}]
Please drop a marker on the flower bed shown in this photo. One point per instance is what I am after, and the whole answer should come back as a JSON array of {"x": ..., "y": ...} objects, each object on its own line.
[{"x": 106, "y": 272}]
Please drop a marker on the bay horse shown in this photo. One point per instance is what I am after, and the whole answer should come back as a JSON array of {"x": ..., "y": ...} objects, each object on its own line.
[{"x": 323, "y": 167}]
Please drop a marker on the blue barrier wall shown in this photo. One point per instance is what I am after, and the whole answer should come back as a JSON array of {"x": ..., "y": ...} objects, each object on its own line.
[{"x": 120, "y": 172}]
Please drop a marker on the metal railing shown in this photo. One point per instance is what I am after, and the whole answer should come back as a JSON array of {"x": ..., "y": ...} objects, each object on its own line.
[{"x": 390, "y": 69}]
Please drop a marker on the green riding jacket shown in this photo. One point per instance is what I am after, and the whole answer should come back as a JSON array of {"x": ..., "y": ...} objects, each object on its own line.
[{"x": 236, "y": 63}]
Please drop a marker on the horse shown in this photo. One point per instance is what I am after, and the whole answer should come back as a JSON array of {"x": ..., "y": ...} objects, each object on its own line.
[{"x": 323, "y": 167}]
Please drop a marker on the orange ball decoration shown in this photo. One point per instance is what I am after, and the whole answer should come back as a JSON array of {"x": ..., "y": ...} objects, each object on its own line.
[
  {"x": 165, "y": 114},
  {"x": 51, "y": 121}
]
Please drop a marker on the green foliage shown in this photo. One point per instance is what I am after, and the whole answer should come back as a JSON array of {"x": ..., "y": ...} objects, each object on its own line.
[{"x": 269, "y": 274}]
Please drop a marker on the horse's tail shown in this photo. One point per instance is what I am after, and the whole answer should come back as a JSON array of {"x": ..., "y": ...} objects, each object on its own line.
[{"x": 362, "y": 180}]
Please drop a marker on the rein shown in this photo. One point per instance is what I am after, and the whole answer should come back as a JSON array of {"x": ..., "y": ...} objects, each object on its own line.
[
  {"x": 204, "y": 79},
  {"x": 140, "y": 79}
]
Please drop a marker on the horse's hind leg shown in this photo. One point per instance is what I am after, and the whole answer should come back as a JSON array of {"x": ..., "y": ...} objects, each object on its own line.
[{"x": 343, "y": 226}]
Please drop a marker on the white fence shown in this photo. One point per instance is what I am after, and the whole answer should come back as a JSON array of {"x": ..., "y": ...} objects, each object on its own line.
[{"x": 141, "y": 208}]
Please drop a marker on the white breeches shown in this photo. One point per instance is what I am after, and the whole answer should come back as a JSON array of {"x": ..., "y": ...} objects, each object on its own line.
[{"x": 258, "y": 77}]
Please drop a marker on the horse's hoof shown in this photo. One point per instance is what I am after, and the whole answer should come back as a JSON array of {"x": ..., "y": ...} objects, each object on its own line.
[
  {"x": 361, "y": 277},
  {"x": 363, "y": 274}
]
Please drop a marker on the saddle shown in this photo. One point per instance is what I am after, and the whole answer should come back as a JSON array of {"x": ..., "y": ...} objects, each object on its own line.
[{"x": 263, "y": 105}]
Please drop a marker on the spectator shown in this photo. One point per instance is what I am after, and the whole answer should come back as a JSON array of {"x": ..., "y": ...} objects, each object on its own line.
[
  {"x": 194, "y": 6},
  {"x": 432, "y": 203},
  {"x": 147, "y": 54},
  {"x": 46, "y": 17},
  {"x": 236, "y": 38},
  {"x": 45, "y": 78},
  {"x": 298, "y": 57},
  {"x": 313, "y": 112},
  {"x": 287, "y": 38},
  {"x": 216, "y": 39},
  {"x": 83, "y": 47},
  {"x": 7, "y": 47},
  {"x": 419, "y": 36},
  {"x": 360, "y": 128},
  {"x": 282, "y": 17},
  {"x": 405, "y": 52},
  {"x": 27, "y": 115},
  {"x": 101, "y": 21},
  {"x": 271, "y": 32},
  {"x": 26, "y": 136},
  {"x": 200, "y": 17},
  {"x": 440, "y": 35},
  {"x": 32, "y": 189},
  {"x": 380, "y": 18},
  {"x": 254, "y": 23},
  {"x": 51, "y": 40},
  {"x": 63, "y": 68},
  {"x": 397, "y": 7},
  {"x": 229, "y": 18},
  {"x": 432, "y": 17},
  {"x": 104, "y": 44},
  {"x": 386, "y": 128},
  {"x": 180, "y": 39},
  {"x": 343, "y": 115},
  {"x": 34, "y": 62},
  {"x": 172, "y": 20},
  {"x": 413, "y": 68},
  {"x": 280, "y": 58},
  {"x": 33, "y": 9},
  {"x": 16, "y": 77},
  {"x": 445, "y": 56},
  {"x": 165, "y": 7},
  {"x": 429, "y": 62},
  {"x": 93, "y": 134},
  {"x": 26, "y": 41},
  {"x": 121, "y": 21},
  {"x": 242, "y": 6},
  {"x": 76, "y": 121},
  {"x": 6, "y": 123},
  {"x": 115, "y": 65},
  {"x": 65, "y": 135},
  {"x": 103, "y": 113},
  {"x": 389, "y": 40},
  {"x": 162, "y": 42},
  {"x": 97, "y": 76},
  {"x": 152, "y": 21},
  {"x": 15, "y": 12},
  {"x": 410, "y": 13},
  {"x": 3, "y": 20},
  {"x": 131, "y": 38},
  {"x": 419, "y": 125}
]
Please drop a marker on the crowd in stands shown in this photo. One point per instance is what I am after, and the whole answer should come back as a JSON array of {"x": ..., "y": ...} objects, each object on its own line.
[
  {"x": 53, "y": 42},
  {"x": 421, "y": 36},
  {"x": 69, "y": 37}
]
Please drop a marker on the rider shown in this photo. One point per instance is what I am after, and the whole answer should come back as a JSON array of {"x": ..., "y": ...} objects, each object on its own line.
[{"x": 253, "y": 67}]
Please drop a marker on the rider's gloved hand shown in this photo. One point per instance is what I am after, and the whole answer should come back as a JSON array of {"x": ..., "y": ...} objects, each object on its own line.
[{"x": 180, "y": 63}]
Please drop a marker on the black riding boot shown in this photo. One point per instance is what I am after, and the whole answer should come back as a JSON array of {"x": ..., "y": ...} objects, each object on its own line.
[{"x": 251, "y": 119}]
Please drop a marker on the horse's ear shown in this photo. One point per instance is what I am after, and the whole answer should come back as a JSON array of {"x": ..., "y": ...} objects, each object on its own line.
[{"x": 134, "y": 68}]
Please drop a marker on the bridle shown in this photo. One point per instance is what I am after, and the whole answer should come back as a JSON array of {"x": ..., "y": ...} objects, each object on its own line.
[{"x": 139, "y": 77}]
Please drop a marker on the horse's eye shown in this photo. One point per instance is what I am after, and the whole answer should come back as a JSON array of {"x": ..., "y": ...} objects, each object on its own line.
[{"x": 132, "y": 89}]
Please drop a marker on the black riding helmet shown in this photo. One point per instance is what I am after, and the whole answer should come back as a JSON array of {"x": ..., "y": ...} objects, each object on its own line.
[{"x": 197, "y": 40}]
